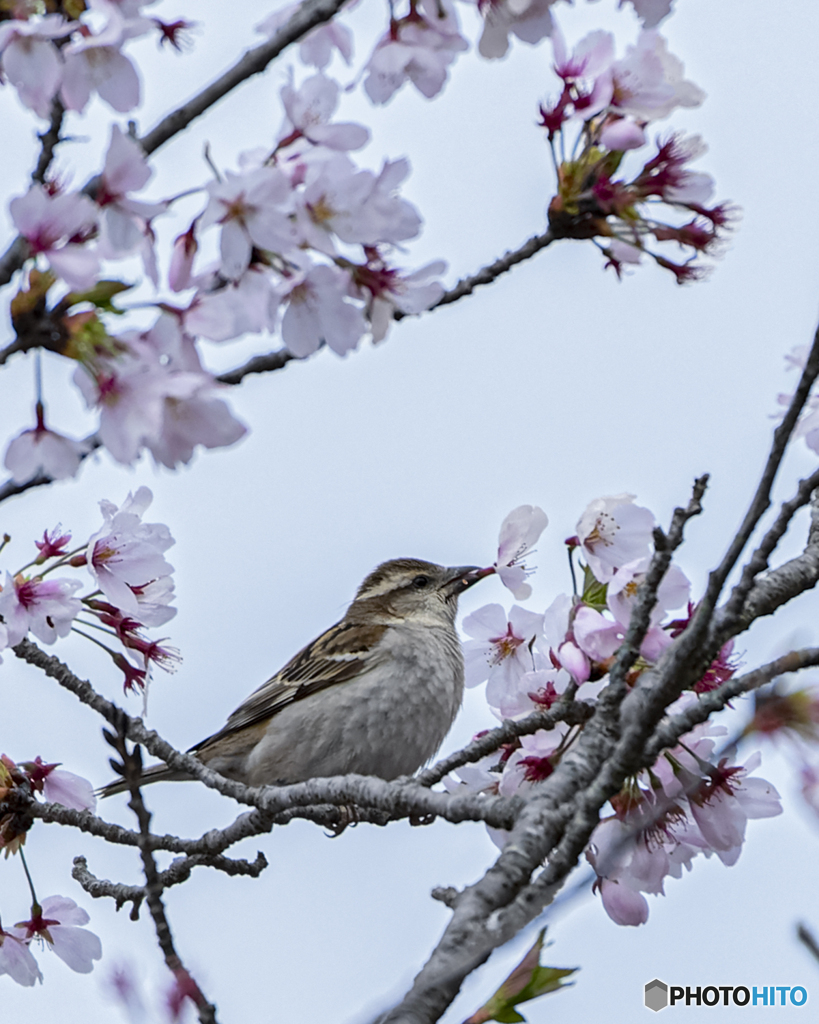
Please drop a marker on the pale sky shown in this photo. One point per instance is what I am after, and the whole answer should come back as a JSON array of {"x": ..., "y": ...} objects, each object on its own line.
[{"x": 553, "y": 386}]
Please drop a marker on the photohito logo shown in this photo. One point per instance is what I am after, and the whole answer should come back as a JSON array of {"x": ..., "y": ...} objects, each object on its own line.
[{"x": 658, "y": 995}]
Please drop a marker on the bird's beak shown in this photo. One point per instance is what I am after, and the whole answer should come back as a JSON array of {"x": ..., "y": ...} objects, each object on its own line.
[{"x": 461, "y": 578}]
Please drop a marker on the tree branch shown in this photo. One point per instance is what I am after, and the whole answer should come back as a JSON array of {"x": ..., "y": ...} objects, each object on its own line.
[
  {"x": 401, "y": 797},
  {"x": 49, "y": 141}
]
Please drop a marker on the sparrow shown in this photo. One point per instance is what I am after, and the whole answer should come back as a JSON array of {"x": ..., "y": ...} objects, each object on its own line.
[{"x": 373, "y": 695}]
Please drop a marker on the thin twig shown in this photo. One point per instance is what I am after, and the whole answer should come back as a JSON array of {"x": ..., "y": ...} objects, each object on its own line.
[
  {"x": 132, "y": 771},
  {"x": 805, "y": 936},
  {"x": 490, "y": 273}
]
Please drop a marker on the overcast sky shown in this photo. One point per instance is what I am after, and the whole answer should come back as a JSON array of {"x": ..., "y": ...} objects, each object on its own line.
[{"x": 553, "y": 386}]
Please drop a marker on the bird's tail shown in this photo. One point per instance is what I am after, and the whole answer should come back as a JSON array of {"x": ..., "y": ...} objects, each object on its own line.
[{"x": 156, "y": 773}]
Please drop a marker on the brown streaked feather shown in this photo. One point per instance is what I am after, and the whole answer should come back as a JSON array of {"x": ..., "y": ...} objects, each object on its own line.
[{"x": 338, "y": 655}]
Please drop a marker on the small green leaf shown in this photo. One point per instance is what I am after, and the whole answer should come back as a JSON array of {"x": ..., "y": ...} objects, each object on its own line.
[
  {"x": 528, "y": 980},
  {"x": 594, "y": 592},
  {"x": 100, "y": 296}
]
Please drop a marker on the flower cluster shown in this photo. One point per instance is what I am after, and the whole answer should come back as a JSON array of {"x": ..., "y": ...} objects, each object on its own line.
[
  {"x": 54, "y": 56},
  {"x": 662, "y": 818},
  {"x": 606, "y": 105},
  {"x": 304, "y": 238},
  {"x": 132, "y": 590}
]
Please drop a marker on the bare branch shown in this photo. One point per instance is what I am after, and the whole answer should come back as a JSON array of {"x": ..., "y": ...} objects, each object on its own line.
[
  {"x": 669, "y": 732},
  {"x": 309, "y": 14},
  {"x": 490, "y": 273},
  {"x": 402, "y": 797},
  {"x": 570, "y": 712},
  {"x": 98, "y": 888},
  {"x": 258, "y": 364},
  {"x": 805, "y": 936},
  {"x": 49, "y": 141},
  {"x": 762, "y": 498},
  {"x": 132, "y": 772}
]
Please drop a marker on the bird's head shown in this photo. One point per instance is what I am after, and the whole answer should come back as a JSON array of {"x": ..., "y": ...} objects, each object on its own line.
[{"x": 411, "y": 588}]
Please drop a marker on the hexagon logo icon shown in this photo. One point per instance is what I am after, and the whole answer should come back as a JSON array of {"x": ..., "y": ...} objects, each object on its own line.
[{"x": 656, "y": 995}]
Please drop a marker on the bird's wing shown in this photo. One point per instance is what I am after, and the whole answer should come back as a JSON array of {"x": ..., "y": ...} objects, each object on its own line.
[{"x": 337, "y": 656}]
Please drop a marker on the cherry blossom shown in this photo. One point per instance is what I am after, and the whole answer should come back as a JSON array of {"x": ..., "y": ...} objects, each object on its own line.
[
  {"x": 318, "y": 312},
  {"x": 519, "y": 531},
  {"x": 153, "y": 392},
  {"x": 60, "y": 786},
  {"x": 613, "y": 531},
  {"x": 316, "y": 48},
  {"x": 529, "y": 20},
  {"x": 123, "y": 221},
  {"x": 50, "y": 223},
  {"x": 418, "y": 48},
  {"x": 94, "y": 63},
  {"x": 221, "y": 309},
  {"x": 30, "y": 61},
  {"x": 16, "y": 959},
  {"x": 309, "y": 110},
  {"x": 691, "y": 807},
  {"x": 43, "y": 607},
  {"x": 43, "y": 452},
  {"x": 385, "y": 290},
  {"x": 501, "y": 650},
  {"x": 252, "y": 209},
  {"x": 356, "y": 205},
  {"x": 126, "y": 553},
  {"x": 59, "y": 922},
  {"x": 52, "y": 545},
  {"x": 648, "y": 81}
]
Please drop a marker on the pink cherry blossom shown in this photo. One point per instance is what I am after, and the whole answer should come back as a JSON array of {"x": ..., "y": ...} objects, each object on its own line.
[
  {"x": 94, "y": 63},
  {"x": 358, "y": 206},
  {"x": 592, "y": 56},
  {"x": 30, "y": 61},
  {"x": 50, "y": 223},
  {"x": 650, "y": 12},
  {"x": 318, "y": 312},
  {"x": 529, "y": 20},
  {"x": 60, "y": 786},
  {"x": 622, "y": 134},
  {"x": 612, "y": 532},
  {"x": 185, "y": 247},
  {"x": 252, "y": 209},
  {"x": 52, "y": 545},
  {"x": 154, "y": 393},
  {"x": 648, "y": 81},
  {"x": 221, "y": 309},
  {"x": 519, "y": 531},
  {"x": 576, "y": 663},
  {"x": 808, "y": 425},
  {"x": 385, "y": 290},
  {"x": 316, "y": 48},
  {"x": 43, "y": 451},
  {"x": 532, "y": 762},
  {"x": 419, "y": 49},
  {"x": 59, "y": 921},
  {"x": 44, "y": 607},
  {"x": 126, "y": 553},
  {"x": 16, "y": 959},
  {"x": 124, "y": 221},
  {"x": 501, "y": 650},
  {"x": 309, "y": 110}
]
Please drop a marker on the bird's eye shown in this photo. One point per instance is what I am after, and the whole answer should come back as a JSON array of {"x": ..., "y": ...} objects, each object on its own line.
[{"x": 420, "y": 582}]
